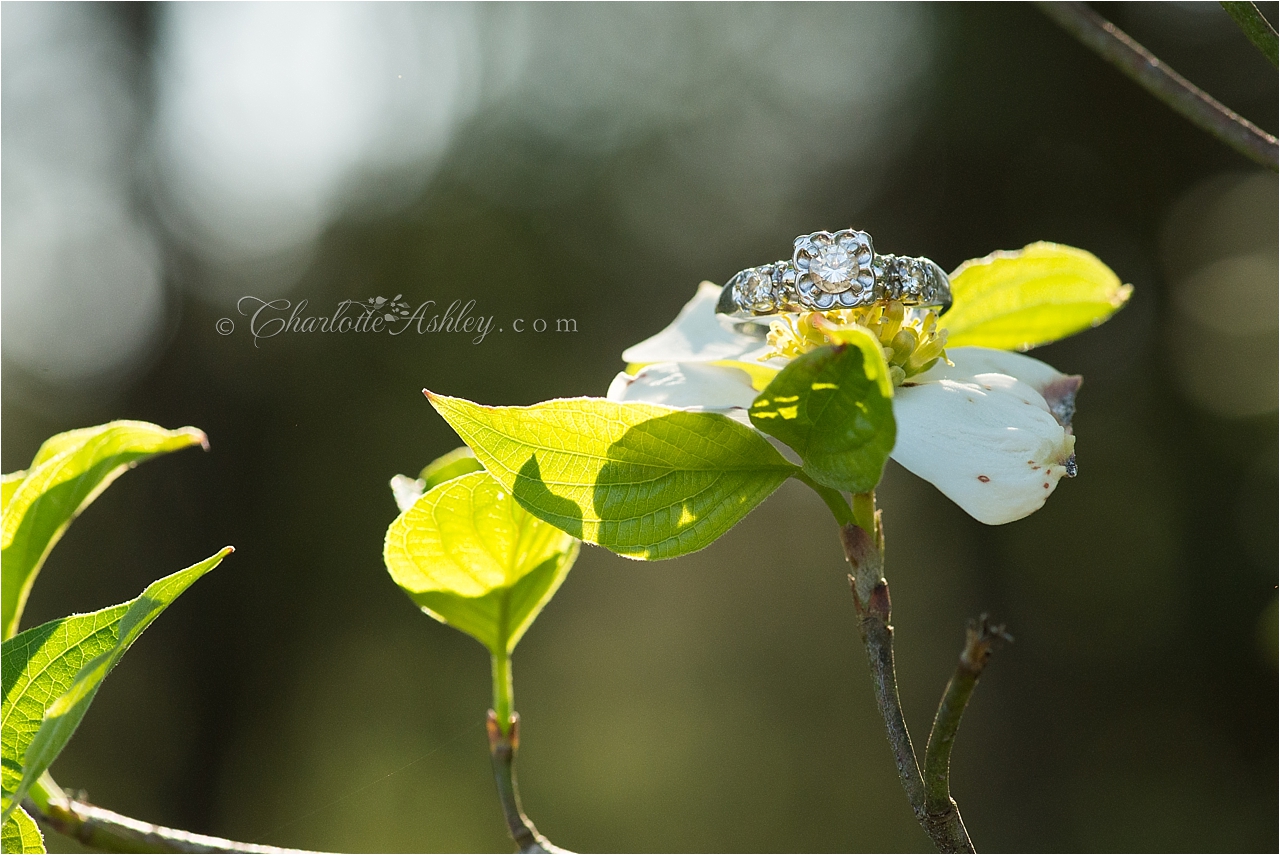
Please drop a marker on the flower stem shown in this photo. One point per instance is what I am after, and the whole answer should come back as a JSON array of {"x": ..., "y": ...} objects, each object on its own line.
[
  {"x": 871, "y": 599},
  {"x": 1201, "y": 109},
  {"x": 109, "y": 831},
  {"x": 981, "y": 639},
  {"x": 1256, "y": 27},
  {"x": 502, "y": 751},
  {"x": 865, "y": 553}
]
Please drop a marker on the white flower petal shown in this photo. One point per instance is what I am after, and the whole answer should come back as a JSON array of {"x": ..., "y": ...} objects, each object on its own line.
[
  {"x": 969, "y": 361},
  {"x": 688, "y": 385},
  {"x": 407, "y": 491},
  {"x": 989, "y": 442},
  {"x": 696, "y": 335},
  {"x": 1058, "y": 389}
]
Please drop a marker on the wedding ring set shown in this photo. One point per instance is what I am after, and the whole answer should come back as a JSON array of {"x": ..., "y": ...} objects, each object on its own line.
[{"x": 830, "y": 271}]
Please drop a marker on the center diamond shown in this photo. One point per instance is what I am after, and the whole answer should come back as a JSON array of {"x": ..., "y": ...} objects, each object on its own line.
[
  {"x": 834, "y": 269},
  {"x": 833, "y": 266}
]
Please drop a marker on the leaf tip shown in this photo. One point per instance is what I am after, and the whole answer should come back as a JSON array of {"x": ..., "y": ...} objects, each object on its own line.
[
  {"x": 196, "y": 436},
  {"x": 435, "y": 398}
]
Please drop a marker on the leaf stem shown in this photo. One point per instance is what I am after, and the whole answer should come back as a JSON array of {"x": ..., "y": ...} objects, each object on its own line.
[
  {"x": 864, "y": 511},
  {"x": 503, "y": 689},
  {"x": 865, "y": 553},
  {"x": 108, "y": 831},
  {"x": 502, "y": 751},
  {"x": 1201, "y": 109},
  {"x": 981, "y": 639},
  {"x": 1256, "y": 27},
  {"x": 833, "y": 498}
]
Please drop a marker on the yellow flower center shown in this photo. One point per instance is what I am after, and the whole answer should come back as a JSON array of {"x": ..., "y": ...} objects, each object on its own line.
[{"x": 911, "y": 344}]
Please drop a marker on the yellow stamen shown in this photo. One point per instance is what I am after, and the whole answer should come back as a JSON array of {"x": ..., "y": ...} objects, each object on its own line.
[{"x": 911, "y": 344}]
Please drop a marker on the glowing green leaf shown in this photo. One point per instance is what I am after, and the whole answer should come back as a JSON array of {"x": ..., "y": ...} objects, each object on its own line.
[
  {"x": 68, "y": 472},
  {"x": 21, "y": 834},
  {"x": 834, "y": 406},
  {"x": 52, "y": 672},
  {"x": 8, "y": 486},
  {"x": 460, "y": 461},
  {"x": 644, "y": 481},
  {"x": 1018, "y": 300},
  {"x": 471, "y": 557}
]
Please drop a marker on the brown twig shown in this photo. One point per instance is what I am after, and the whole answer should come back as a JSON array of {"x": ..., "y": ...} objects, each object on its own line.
[
  {"x": 1201, "y": 109},
  {"x": 941, "y": 811},
  {"x": 865, "y": 554},
  {"x": 502, "y": 750}
]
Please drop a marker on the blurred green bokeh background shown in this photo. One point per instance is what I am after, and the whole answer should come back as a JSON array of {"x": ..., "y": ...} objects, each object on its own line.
[{"x": 595, "y": 163}]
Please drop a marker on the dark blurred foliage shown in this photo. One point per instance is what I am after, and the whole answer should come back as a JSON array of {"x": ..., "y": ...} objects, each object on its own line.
[{"x": 717, "y": 702}]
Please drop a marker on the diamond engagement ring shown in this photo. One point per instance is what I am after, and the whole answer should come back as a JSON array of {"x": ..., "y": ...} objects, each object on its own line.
[{"x": 833, "y": 270}]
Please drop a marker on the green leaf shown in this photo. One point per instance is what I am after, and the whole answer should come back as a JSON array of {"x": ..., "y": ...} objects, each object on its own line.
[
  {"x": 460, "y": 461},
  {"x": 834, "y": 406},
  {"x": 8, "y": 486},
  {"x": 645, "y": 481},
  {"x": 68, "y": 472},
  {"x": 21, "y": 834},
  {"x": 1019, "y": 300},
  {"x": 51, "y": 673},
  {"x": 471, "y": 557}
]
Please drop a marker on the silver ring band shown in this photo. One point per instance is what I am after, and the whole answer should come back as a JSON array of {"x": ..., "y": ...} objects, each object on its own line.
[{"x": 833, "y": 270}]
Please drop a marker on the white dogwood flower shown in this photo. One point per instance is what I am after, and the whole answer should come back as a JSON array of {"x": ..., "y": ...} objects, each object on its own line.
[{"x": 989, "y": 428}]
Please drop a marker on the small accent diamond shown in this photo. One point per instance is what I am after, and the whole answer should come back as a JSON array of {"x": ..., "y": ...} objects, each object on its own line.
[
  {"x": 757, "y": 290},
  {"x": 753, "y": 289}
]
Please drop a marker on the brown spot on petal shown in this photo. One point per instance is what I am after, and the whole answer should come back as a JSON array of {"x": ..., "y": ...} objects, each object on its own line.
[
  {"x": 1046, "y": 485},
  {"x": 983, "y": 478}
]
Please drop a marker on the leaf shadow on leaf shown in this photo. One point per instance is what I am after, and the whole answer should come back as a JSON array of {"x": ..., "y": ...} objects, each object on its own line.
[
  {"x": 833, "y": 406},
  {"x": 532, "y": 492},
  {"x": 633, "y": 488},
  {"x": 664, "y": 487}
]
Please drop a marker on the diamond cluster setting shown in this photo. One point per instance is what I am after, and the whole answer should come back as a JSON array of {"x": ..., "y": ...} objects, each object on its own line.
[
  {"x": 831, "y": 271},
  {"x": 911, "y": 281},
  {"x": 834, "y": 270}
]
